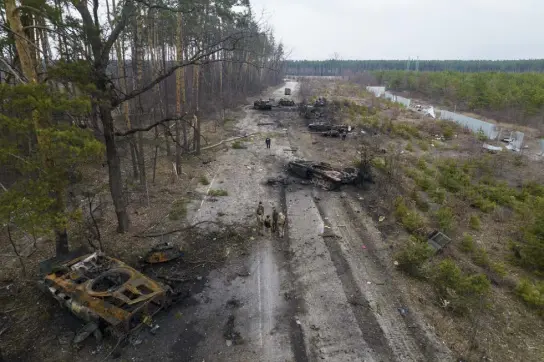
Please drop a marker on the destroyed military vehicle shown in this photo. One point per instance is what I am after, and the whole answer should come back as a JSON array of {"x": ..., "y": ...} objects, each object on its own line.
[
  {"x": 105, "y": 292},
  {"x": 323, "y": 174},
  {"x": 287, "y": 91},
  {"x": 310, "y": 112},
  {"x": 262, "y": 104},
  {"x": 286, "y": 102},
  {"x": 326, "y": 126}
]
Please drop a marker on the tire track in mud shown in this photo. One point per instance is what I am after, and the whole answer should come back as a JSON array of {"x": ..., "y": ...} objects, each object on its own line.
[
  {"x": 368, "y": 324},
  {"x": 296, "y": 334},
  {"x": 411, "y": 327}
]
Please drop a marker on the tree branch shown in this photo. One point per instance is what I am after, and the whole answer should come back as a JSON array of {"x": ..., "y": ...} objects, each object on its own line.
[
  {"x": 11, "y": 71},
  {"x": 128, "y": 8},
  {"x": 148, "y": 128},
  {"x": 92, "y": 32},
  {"x": 175, "y": 230},
  {"x": 167, "y": 8}
]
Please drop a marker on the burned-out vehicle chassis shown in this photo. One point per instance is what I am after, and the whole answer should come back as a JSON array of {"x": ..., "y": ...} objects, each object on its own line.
[
  {"x": 286, "y": 102},
  {"x": 103, "y": 290},
  {"x": 323, "y": 174},
  {"x": 264, "y": 105}
]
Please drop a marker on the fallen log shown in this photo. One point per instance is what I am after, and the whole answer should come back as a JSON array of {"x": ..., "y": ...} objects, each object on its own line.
[{"x": 225, "y": 141}]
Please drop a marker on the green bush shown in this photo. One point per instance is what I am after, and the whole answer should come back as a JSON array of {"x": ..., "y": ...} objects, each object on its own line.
[
  {"x": 438, "y": 195},
  {"x": 532, "y": 293},
  {"x": 480, "y": 135},
  {"x": 409, "y": 147},
  {"x": 499, "y": 268},
  {"x": 445, "y": 218},
  {"x": 447, "y": 132},
  {"x": 218, "y": 192},
  {"x": 410, "y": 219},
  {"x": 424, "y": 145},
  {"x": 413, "y": 256},
  {"x": 420, "y": 203},
  {"x": 461, "y": 290},
  {"x": 475, "y": 222},
  {"x": 237, "y": 145},
  {"x": 204, "y": 180},
  {"x": 452, "y": 177},
  {"x": 422, "y": 164},
  {"x": 467, "y": 243},
  {"x": 424, "y": 182},
  {"x": 480, "y": 257}
]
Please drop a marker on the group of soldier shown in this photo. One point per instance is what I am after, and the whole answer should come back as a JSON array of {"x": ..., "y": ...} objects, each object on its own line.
[{"x": 270, "y": 225}]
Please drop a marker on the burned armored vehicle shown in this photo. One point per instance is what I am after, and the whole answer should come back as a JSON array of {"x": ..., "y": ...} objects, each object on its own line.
[
  {"x": 262, "y": 105},
  {"x": 286, "y": 102},
  {"x": 327, "y": 126},
  {"x": 106, "y": 292},
  {"x": 323, "y": 174}
]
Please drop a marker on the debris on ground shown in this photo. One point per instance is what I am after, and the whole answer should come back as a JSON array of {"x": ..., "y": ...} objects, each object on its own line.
[
  {"x": 162, "y": 253},
  {"x": 231, "y": 334}
]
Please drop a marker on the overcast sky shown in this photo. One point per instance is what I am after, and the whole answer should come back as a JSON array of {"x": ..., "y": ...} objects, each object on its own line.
[{"x": 398, "y": 29}]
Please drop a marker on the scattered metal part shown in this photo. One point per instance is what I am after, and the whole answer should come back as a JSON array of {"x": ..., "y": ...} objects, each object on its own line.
[
  {"x": 438, "y": 240},
  {"x": 162, "y": 253}
]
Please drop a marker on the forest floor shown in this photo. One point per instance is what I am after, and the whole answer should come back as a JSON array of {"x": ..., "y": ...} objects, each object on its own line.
[{"x": 328, "y": 290}]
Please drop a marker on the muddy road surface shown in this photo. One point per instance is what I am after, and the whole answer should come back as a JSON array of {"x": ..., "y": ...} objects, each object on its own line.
[{"x": 323, "y": 292}]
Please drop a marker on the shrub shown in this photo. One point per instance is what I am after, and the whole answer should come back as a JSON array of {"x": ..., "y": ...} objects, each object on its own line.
[
  {"x": 410, "y": 219},
  {"x": 461, "y": 290},
  {"x": 532, "y": 294},
  {"x": 237, "y": 145},
  {"x": 420, "y": 204},
  {"x": 445, "y": 218},
  {"x": 413, "y": 256},
  {"x": 452, "y": 177},
  {"x": 438, "y": 195},
  {"x": 422, "y": 164},
  {"x": 499, "y": 268},
  {"x": 424, "y": 145},
  {"x": 480, "y": 135},
  {"x": 447, "y": 132},
  {"x": 218, "y": 192},
  {"x": 467, "y": 243},
  {"x": 409, "y": 147},
  {"x": 204, "y": 180},
  {"x": 475, "y": 222},
  {"x": 480, "y": 257},
  {"x": 179, "y": 210}
]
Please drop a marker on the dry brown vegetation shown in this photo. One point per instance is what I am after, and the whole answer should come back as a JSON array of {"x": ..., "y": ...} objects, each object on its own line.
[{"x": 488, "y": 204}]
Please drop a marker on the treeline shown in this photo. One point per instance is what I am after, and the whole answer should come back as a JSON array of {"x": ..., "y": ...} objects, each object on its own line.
[
  {"x": 517, "y": 98},
  {"x": 79, "y": 87},
  {"x": 335, "y": 67}
]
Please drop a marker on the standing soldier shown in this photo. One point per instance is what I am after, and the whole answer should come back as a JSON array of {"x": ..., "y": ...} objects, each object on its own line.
[
  {"x": 268, "y": 141},
  {"x": 260, "y": 217},
  {"x": 267, "y": 223},
  {"x": 274, "y": 220}
]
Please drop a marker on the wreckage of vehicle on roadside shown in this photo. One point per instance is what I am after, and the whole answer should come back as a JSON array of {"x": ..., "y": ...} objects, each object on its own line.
[
  {"x": 327, "y": 126},
  {"x": 106, "y": 292},
  {"x": 286, "y": 102},
  {"x": 263, "y": 104},
  {"x": 323, "y": 174}
]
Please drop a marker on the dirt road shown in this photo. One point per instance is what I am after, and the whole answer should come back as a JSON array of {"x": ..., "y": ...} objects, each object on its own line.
[{"x": 323, "y": 292}]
